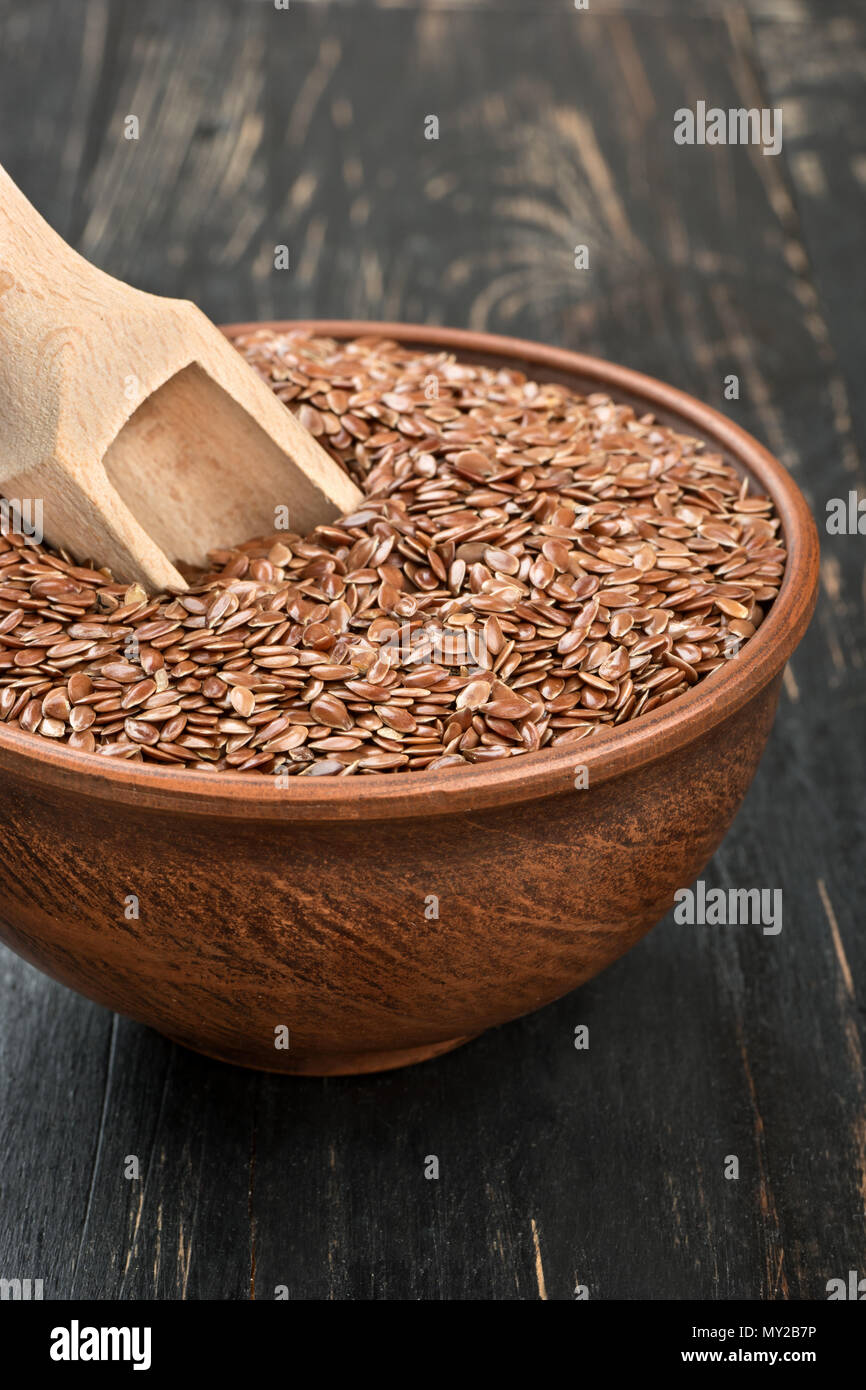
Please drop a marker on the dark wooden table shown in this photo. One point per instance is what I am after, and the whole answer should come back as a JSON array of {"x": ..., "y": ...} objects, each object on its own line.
[{"x": 603, "y": 1168}]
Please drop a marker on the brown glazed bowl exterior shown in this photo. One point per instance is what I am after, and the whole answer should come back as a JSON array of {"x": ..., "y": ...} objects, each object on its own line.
[{"x": 310, "y": 907}]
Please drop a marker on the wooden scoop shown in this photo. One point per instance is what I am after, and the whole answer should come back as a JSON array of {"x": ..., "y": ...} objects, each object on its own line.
[{"x": 143, "y": 433}]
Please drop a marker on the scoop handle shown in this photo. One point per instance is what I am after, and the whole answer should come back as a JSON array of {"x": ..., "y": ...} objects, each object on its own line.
[
  {"x": 61, "y": 402},
  {"x": 84, "y": 425},
  {"x": 34, "y": 256},
  {"x": 61, "y": 326}
]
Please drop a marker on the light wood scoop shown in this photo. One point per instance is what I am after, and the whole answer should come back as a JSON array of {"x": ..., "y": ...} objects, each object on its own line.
[{"x": 144, "y": 433}]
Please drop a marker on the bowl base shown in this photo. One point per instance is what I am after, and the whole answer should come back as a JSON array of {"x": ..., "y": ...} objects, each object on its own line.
[{"x": 336, "y": 1063}]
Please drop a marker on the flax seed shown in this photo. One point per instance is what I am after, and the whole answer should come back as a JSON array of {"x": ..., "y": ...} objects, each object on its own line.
[{"x": 573, "y": 566}]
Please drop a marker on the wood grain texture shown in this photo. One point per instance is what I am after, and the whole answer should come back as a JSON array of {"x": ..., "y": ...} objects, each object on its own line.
[
  {"x": 146, "y": 439},
  {"x": 558, "y": 1167}
]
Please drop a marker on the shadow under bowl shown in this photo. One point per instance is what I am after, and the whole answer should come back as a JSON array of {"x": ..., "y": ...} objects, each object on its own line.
[{"x": 304, "y": 908}]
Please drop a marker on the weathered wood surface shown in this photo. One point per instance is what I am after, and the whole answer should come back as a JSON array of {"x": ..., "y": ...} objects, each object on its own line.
[{"x": 602, "y": 1168}]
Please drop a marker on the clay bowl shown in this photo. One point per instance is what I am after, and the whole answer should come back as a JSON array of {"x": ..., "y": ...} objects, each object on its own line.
[{"x": 305, "y": 906}]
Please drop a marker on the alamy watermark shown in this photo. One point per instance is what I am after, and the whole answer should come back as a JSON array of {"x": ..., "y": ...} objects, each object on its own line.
[
  {"x": 853, "y": 1288},
  {"x": 77, "y": 1343},
  {"x": 20, "y": 1290},
  {"x": 730, "y": 907},
  {"x": 445, "y": 646},
  {"x": 846, "y": 516},
  {"x": 737, "y": 126},
  {"x": 22, "y": 517}
]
